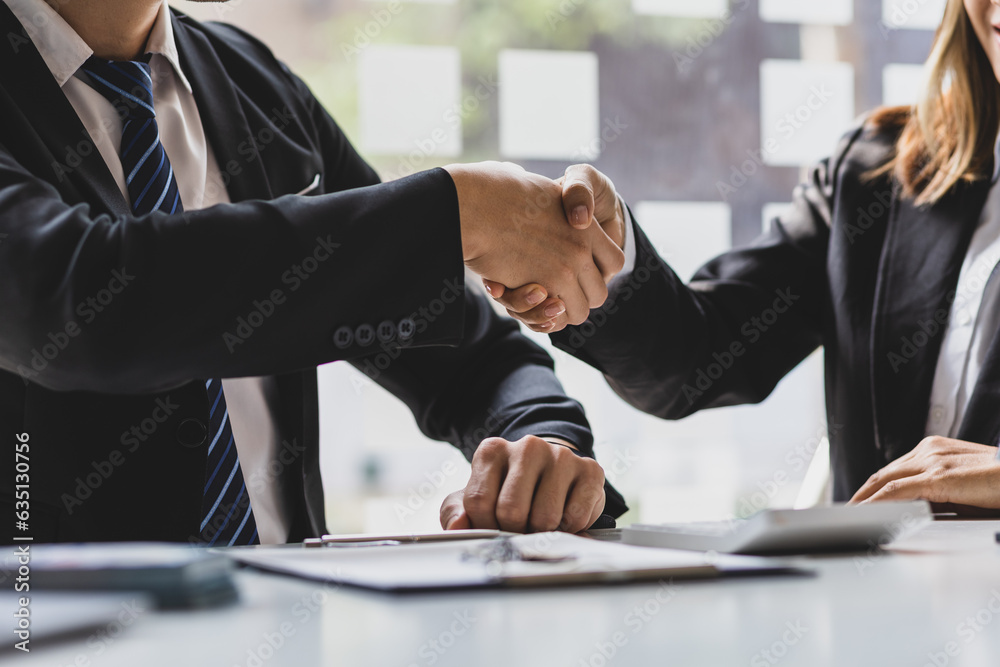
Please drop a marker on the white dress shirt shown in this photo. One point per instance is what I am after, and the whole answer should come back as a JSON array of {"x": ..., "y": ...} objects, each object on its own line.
[
  {"x": 200, "y": 183},
  {"x": 972, "y": 325}
]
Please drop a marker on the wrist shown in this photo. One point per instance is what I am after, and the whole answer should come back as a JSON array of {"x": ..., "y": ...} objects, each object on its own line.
[{"x": 464, "y": 182}]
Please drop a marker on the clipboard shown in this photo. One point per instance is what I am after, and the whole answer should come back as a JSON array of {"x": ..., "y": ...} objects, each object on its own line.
[{"x": 545, "y": 559}]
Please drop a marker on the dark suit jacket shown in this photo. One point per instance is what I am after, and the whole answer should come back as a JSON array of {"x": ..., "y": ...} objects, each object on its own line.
[
  {"x": 852, "y": 267},
  {"x": 107, "y": 321}
]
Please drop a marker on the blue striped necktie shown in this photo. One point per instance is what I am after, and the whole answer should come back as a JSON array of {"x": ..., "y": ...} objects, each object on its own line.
[{"x": 226, "y": 517}]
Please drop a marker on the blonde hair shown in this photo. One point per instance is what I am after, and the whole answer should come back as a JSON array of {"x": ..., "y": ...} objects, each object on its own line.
[{"x": 949, "y": 135}]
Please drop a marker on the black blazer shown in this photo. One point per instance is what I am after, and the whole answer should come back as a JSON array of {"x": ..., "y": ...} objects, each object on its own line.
[
  {"x": 851, "y": 267},
  {"x": 107, "y": 321}
]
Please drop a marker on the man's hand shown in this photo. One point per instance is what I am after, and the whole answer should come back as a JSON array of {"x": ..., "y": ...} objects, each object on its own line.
[
  {"x": 515, "y": 231},
  {"x": 942, "y": 471},
  {"x": 587, "y": 195},
  {"x": 531, "y": 485}
]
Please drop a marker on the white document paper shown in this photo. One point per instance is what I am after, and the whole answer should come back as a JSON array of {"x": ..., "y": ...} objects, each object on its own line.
[{"x": 563, "y": 559}]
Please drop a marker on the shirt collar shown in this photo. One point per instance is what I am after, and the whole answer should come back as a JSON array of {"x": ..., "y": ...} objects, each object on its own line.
[{"x": 64, "y": 51}]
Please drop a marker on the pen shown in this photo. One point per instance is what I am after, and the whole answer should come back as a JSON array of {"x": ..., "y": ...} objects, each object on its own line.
[{"x": 396, "y": 539}]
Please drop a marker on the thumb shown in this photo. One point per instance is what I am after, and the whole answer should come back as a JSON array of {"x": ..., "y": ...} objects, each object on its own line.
[
  {"x": 495, "y": 290},
  {"x": 460, "y": 522},
  {"x": 578, "y": 200},
  {"x": 453, "y": 515}
]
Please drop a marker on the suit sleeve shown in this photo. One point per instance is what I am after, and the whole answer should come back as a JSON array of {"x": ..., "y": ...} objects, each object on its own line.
[
  {"x": 496, "y": 383},
  {"x": 135, "y": 305},
  {"x": 745, "y": 320}
]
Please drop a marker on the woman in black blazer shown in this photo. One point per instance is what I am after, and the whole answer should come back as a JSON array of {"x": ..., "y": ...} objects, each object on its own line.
[{"x": 867, "y": 263}]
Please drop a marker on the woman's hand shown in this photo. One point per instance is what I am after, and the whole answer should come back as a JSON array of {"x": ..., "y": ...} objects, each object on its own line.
[{"x": 942, "y": 471}]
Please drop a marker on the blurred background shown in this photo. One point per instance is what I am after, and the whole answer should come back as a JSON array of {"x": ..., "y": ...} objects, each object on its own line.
[{"x": 703, "y": 112}]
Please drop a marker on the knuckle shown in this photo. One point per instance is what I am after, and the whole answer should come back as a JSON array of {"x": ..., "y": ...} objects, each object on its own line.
[
  {"x": 489, "y": 450},
  {"x": 544, "y": 522},
  {"x": 593, "y": 473},
  {"x": 931, "y": 442},
  {"x": 511, "y": 518},
  {"x": 600, "y": 297},
  {"x": 476, "y": 502}
]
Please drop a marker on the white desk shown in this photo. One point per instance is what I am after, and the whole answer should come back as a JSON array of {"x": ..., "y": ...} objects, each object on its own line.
[{"x": 904, "y": 609}]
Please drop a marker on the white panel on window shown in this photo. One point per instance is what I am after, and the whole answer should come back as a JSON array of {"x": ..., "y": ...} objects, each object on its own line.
[
  {"x": 549, "y": 105},
  {"x": 828, "y": 12},
  {"x": 405, "y": 94},
  {"x": 911, "y": 14},
  {"x": 687, "y": 234},
  {"x": 902, "y": 84},
  {"x": 687, "y": 8},
  {"x": 805, "y": 108}
]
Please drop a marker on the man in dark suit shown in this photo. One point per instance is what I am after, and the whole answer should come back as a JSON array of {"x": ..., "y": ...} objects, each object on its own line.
[{"x": 168, "y": 289}]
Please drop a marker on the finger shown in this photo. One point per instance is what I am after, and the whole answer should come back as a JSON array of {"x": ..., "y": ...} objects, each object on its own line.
[
  {"x": 460, "y": 521},
  {"x": 608, "y": 256},
  {"x": 904, "y": 467},
  {"x": 545, "y": 312},
  {"x": 514, "y": 502},
  {"x": 578, "y": 198},
  {"x": 522, "y": 299},
  {"x": 586, "y": 500},
  {"x": 908, "y": 488},
  {"x": 593, "y": 285},
  {"x": 494, "y": 289},
  {"x": 452, "y": 515},
  {"x": 552, "y": 494},
  {"x": 577, "y": 302},
  {"x": 489, "y": 466}
]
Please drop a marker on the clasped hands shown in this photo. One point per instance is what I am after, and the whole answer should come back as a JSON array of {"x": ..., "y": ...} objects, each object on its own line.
[{"x": 533, "y": 242}]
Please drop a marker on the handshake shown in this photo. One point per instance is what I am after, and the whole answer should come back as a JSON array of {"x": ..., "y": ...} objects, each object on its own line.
[{"x": 534, "y": 243}]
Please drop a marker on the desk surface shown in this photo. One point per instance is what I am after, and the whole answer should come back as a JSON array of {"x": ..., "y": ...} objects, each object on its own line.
[{"x": 935, "y": 603}]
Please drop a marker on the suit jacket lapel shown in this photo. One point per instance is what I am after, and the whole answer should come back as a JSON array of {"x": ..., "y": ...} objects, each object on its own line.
[
  {"x": 81, "y": 169},
  {"x": 918, "y": 275},
  {"x": 227, "y": 131}
]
